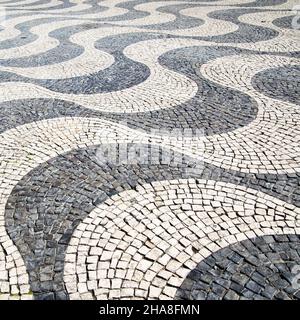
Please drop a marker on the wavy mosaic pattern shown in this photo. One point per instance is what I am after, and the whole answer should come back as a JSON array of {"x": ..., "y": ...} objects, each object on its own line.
[{"x": 203, "y": 96}]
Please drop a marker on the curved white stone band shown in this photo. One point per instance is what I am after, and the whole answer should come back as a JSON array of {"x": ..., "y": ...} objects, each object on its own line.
[
  {"x": 269, "y": 144},
  {"x": 142, "y": 243}
]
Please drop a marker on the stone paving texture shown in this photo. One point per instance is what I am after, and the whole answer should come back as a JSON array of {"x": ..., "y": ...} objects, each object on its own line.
[{"x": 203, "y": 99}]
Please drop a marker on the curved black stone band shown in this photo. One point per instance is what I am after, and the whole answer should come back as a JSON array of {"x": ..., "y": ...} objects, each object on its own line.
[
  {"x": 280, "y": 83},
  {"x": 260, "y": 268},
  {"x": 284, "y": 22},
  {"x": 246, "y": 32}
]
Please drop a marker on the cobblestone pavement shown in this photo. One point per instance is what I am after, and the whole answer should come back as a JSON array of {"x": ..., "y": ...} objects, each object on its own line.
[{"x": 149, "y": 149}]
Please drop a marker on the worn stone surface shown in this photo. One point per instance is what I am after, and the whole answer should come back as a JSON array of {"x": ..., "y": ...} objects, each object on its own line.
[{"x": 142, "y": 140}]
